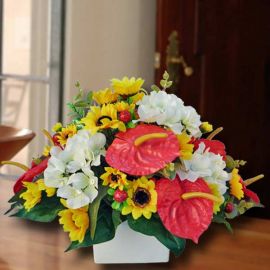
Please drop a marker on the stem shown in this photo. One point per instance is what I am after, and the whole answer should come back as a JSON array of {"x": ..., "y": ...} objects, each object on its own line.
[
  {"x": 48, "y": 135},
  {"x": 214, "y": 133},
  {"x": 253, "y": 179},
  {"x": 191, "y": 195},
  {"x": 150, "y": 136},
  {"x": 17, "y": 164}
]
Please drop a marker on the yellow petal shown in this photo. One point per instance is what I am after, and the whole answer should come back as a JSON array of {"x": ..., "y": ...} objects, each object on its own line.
[{"x": 136, "y": 212}]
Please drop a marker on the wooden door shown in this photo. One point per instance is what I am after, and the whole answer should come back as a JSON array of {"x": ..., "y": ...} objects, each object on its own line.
[{"x": 227, "y": 43}]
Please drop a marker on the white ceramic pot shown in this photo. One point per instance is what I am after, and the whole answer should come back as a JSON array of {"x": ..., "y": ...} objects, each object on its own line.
[{"x": 129, "y": 246}]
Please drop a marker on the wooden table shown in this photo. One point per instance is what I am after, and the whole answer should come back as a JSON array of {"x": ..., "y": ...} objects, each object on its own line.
[{"x": 26, "y": 245}]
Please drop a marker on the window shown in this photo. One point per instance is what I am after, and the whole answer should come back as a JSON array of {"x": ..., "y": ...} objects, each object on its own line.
[{"x": 31, "y": 68}]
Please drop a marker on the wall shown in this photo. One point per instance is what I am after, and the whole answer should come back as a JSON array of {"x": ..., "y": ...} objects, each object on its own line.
[{"x": 106, "y": 39}]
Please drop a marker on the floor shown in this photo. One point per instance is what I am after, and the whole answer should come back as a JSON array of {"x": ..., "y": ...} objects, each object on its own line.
[{"x": 26, "y": 245}]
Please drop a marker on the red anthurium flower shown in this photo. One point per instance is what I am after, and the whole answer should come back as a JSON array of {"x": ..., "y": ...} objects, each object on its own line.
[
  {"x": 184, "y": 208},
  {"x": 142, "y": 150},
  {"x": 29, "y": 175},
  {"x": 249, "y": 193},
  {"x": 214, "y": 146}
]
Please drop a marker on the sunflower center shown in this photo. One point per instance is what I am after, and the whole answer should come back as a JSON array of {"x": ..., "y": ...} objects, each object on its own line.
[
  {"x": 99, "y": 123},
  {"x": 115, "y": 177},
  {"x": 141, "y": 197}
]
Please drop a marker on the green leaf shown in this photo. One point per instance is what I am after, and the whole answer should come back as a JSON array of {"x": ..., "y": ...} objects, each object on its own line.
[
  {"x": 222, "y": 220},
  {"x": 94, "y": 207},
  {"x": 131, "y": 124},
  {"x": 154, "y": 227},
  {"x": 165, "y": 75},
  {"x": 230, "y": 163},
  {"x": 155, "y": 88},
  {"x": 116, "y": 205},
  {"x": 89, "y": 97},
  {"x": 13, "y": 206},
  {"x": 163, "y": 83},
  {"x": 105, "y": 229},
  {"x": 111, "y": 191},
  {"x": 116, "y": 218},
  {"x": 46, "y": 211},
  {"x": 81, "y": 104},
  {"x": 169, "y": 84},
  {"x": 16, "y": 197}
]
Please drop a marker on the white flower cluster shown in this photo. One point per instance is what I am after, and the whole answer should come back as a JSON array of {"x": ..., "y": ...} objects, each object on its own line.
[
  {"x": 169, "y": 110},
  {"x": 69, "y": 169},
  {"x": 206, "y": 165}
]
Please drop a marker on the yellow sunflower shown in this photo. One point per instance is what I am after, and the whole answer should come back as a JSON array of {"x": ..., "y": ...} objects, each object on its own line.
[
  {"x": 137, "y": 97},
  {"x": 215, "y": 191},
  {"x": 124, "y": 106},
  {"x": 236, "y": 188},
  {"x": 127, "y": 86},
  {"x": 102, "y": 118},
  {"x": 66, "y": 132},
  {"x": 33, "y": 193},
  {"x": 142, "y": 199},
  {"x": 105, "y": 96},
  {"x": 114, "y": 178},
  {"x": 46, "y": 150},
  {"x": 186, "y": 148},
  {"x": 57, "y": 127},
  {"x": 74, "y": 221}
]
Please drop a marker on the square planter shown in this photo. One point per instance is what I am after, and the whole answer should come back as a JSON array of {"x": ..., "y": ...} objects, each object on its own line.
[{"x": 129, "y": 246}]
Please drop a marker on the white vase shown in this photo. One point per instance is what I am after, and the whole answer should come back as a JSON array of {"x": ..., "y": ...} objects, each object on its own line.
[{"x": 129, "y": 246}]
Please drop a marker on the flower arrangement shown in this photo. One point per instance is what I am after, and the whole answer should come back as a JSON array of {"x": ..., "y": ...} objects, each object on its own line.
[{"x": 136, "y": 156}]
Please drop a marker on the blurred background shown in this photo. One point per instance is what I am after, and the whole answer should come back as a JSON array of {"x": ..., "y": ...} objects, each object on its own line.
[{"x": 217, "y": 52}]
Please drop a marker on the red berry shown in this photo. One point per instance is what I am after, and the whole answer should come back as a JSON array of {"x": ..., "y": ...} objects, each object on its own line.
[
  {"x": 229, "y": 207},
  {"x": 125, "y": 116},
  {"x": 120, "y": 195}
]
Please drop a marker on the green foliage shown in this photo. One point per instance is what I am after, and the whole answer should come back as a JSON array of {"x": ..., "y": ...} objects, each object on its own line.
[
  {"x": 117, "y": 218},
  {"x": 16, "y": 197},
  {"x": 169, "y": 172},
  {"x": 94, "y": 207},
  {"x": 105, "y": 229},
  {"x": 155, "y": 88},
  {"x": 231, "y": 163},
  {"x": 241, "y": 207},
  {"x": 154, "y": 227},
  {"x": 165, "y": 83},
  {"x": 221, "y": 219},
  {"x": 131, "y": 124},
  {"x": 46, "y": 211},
  {"x": 80, "y": 103}
]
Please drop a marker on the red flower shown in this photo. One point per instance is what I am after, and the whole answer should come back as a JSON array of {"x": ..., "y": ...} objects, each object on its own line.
[
  {"x": 29, "y": 175},
  {"x": 214, "y": 146},
  {"x": 251, "y": 195},
  {"x": 142, "y": 150},
  {"x": 185, "y": 218}
]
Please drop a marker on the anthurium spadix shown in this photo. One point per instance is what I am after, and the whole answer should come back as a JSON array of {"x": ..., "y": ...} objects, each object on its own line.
[
  {"x": 143, "y": 150},
  {"x": 185, "y": 208}
]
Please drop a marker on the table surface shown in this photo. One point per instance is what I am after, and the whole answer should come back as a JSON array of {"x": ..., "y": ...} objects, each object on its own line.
[{"x": 26, "y": 245}]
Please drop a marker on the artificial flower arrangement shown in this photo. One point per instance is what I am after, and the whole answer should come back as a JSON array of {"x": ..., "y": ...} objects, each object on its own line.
[{"x": 136, "y": 156}]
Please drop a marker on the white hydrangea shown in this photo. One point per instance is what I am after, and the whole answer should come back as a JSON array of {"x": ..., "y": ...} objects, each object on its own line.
[
  {"x": 162, "y": 108},
  {"x": 69, "y": 169},
  {"x": 191, "y": 121},
  {"x": 206, "y": 165},
  {"x": 169, "y": 110}
]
